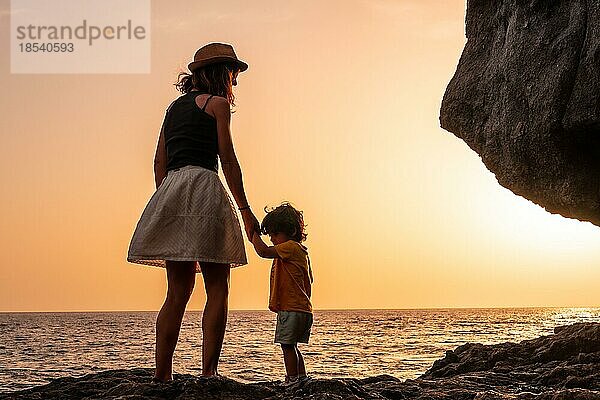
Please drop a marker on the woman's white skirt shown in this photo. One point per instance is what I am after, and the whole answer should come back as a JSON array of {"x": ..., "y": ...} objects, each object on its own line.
[{"x": 190, "y": 217}]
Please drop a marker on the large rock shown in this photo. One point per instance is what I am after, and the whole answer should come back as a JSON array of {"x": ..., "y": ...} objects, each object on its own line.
[
  {"x": 563, "y": 366},
  {"x": 526, "y": 98}
]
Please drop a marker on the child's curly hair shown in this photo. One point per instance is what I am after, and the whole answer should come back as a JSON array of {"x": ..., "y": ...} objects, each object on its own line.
[{"x": 285, "y": 219}]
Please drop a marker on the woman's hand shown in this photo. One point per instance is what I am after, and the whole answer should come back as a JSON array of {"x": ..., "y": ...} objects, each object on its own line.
[{"x": 251, "y": 224}]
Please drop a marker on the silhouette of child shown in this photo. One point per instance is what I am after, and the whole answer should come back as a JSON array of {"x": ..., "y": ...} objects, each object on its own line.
[{"x": 290, "y": 284}]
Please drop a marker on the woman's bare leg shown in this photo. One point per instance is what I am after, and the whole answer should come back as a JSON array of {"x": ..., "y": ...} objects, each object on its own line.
[
  {"x": 214, "y": 318},
  {"x": 181, "y": 276}
]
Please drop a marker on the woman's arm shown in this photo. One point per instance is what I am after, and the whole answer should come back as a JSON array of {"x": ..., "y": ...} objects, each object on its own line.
[
  {"x": 160, "y": 158},
  {"x": 230, "y": 164}
]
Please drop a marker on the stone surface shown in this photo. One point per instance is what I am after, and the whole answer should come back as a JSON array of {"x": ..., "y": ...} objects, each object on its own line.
[
  {"x": 562, "y": 366},
  {"x": 526, "y": 98}
]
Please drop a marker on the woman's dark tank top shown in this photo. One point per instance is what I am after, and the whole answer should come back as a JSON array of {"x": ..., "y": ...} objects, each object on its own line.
[{"x": 190, "y": 134}]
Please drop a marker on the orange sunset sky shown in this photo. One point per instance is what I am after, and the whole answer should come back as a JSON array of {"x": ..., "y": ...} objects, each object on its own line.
[{"x": 337, "y": 113}]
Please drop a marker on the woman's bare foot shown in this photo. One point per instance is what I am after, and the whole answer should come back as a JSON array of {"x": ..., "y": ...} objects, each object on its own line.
[{"x": 157, "y": 380}]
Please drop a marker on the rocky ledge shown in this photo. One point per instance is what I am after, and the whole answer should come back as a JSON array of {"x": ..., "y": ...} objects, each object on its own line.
[
  {"x": 562, "y": 366},
  {"x": 526, "y": 98}
]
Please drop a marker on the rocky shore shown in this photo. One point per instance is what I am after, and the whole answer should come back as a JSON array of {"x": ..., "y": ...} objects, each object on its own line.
[{"x": 562, "y": 366}]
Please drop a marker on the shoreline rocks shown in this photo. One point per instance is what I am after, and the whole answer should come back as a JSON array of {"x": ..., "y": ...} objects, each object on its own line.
[{"x": 562, "y": 366}]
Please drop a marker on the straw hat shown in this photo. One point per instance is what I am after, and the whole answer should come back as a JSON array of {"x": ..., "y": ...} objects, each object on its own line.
[{"x": 214, "y": 53}]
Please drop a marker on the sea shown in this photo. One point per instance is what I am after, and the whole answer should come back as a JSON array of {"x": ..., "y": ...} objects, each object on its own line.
[{"x": 37, "y": 347}]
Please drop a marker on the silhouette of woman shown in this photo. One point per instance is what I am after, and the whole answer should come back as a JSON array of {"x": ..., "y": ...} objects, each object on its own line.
[{"x": 190, "y": 224}]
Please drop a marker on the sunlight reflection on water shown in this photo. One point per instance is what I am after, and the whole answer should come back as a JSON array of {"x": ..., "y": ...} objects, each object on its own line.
[{"x": 357, "y": 343}]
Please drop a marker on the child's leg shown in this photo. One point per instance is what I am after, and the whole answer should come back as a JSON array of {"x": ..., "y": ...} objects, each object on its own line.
[
  {"x": 290, "y": 359},
  {"x": 301, "y": 368}
]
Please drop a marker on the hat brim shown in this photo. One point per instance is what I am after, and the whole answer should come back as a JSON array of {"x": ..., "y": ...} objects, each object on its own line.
[{"x": 216, "y": 60}]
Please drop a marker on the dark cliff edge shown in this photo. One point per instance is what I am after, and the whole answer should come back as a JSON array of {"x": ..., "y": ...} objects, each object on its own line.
[
  {"x": 562, "y": 366},
  {"x": 526, "y": 98}
]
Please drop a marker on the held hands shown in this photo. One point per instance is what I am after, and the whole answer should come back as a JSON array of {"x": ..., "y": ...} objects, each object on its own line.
[{"x": 251, "y": 224}]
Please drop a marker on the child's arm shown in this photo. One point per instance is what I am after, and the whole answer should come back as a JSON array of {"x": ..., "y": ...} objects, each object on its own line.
[{"x": 261, "y": 247}]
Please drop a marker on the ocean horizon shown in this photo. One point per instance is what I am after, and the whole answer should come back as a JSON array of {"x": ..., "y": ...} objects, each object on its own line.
[
  {"x": 40, "y": 346},
  {"x": 314, "y": 309}
]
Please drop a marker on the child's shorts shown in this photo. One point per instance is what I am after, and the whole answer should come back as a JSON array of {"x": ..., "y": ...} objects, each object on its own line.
[{"x": 293, "y": 327}]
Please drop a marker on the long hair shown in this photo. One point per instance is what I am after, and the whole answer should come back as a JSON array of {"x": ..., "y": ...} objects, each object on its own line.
[{"x": 215, "y": 79}]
